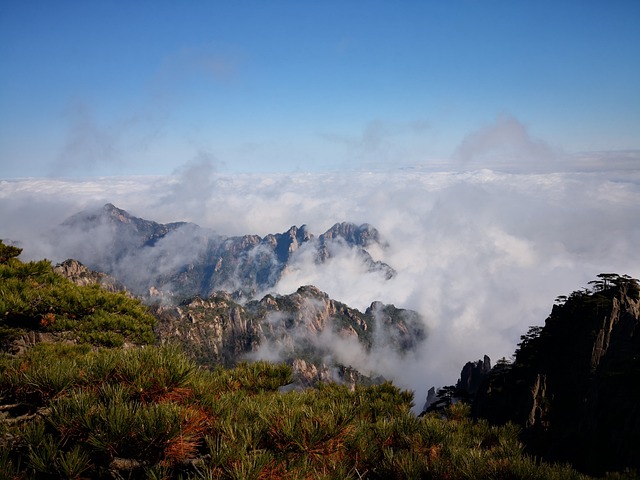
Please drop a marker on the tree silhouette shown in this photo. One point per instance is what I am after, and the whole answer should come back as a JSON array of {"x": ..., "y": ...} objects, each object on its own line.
[{"x": 8, "y": 251}]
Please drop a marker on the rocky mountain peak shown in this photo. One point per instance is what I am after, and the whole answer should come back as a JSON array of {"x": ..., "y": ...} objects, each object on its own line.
[
  {"x": 473, "y": 374},
  {"x": 311, "y": 291},
  {"x": 284, "y": 244},
  {"x": 107, "y": 213},
  {"x": 362, "y": 235},
  {"x": 127, "y": 230},
  {"x": 111, "y": 211},
  {"x": 297, "y": 328},
  {"x": 358, "y": 237}
]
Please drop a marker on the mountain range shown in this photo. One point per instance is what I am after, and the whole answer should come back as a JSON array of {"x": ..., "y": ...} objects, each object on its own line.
[
  {"x": 212, "y": 294},
  {"x": 572, "y": 386},
  {"x": 322, "y": 339},
  {"x": 87, "y": 390},
  {"x": 182, "y": 259}
]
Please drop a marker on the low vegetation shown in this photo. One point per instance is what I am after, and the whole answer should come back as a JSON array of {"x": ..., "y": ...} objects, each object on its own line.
[
  {"x": 33, "y": 298},
  {"x": 151, "y": 413},
  {"x": 83, "y": 407}
]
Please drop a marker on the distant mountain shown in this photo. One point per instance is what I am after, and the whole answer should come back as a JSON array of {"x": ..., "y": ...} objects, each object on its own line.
[
  {"x": 130, "y": 229},
  {"x": 184, "y": 260},
  {"x": 318, "y": 336},
  {"x": 574, "y": 386},
  {"x": 204, "y": 289}
]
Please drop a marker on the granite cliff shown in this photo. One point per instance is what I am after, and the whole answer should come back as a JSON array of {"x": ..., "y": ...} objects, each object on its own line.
[
  {"x": 81, "y": 275},
  {"x": 574, "y": 384},
  {"x": 319, "y": 337}
]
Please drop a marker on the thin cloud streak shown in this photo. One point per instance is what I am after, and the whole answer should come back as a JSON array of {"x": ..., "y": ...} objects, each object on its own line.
[
  {"x": 506, "y": 142},
  {"x": 88, "y": 144}
]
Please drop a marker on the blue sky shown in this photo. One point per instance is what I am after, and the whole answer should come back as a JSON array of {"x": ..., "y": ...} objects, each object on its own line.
[{"x": 119, "y": 88}]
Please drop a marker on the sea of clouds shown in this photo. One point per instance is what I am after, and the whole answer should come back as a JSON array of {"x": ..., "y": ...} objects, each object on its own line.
[{"x": 481, "y": 254}]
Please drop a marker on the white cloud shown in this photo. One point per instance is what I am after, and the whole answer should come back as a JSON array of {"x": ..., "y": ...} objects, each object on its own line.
[
  {"x": 481, "y": 255},
  {"x": 505, "y": 142}
]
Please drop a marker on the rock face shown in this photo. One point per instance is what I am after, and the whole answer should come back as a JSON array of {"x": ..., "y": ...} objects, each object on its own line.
[
  {"x": 575, "y": 383},
  {"x": 306, "y": 329},
  {"x": 363, "y": 235},
  {"x": 472, "y": 376},
  {"x": 318, "y": 336},
  {"x": 184, "y": 260},
  {"x": 81, "y": 275},
  {"x": 471, "y": 379},
  {"x": 132, "y": 231}
]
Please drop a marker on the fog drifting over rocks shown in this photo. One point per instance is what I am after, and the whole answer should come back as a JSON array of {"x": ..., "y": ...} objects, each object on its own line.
[{"x": 480, "y": 254}]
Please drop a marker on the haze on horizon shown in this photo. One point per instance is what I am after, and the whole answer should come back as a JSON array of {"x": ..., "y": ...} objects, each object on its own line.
[{"x": 495, "y": 145}]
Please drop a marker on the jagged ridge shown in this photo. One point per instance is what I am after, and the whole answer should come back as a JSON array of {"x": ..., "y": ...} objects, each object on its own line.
[
  {"x": 186, "y": 260},
  {"x": 300, "y": 329}
]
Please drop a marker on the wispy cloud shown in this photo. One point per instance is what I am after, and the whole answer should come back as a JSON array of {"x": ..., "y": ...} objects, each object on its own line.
[
  {"x": 380, "y": 141},
  {"x": 505, "y": 142},
  {"x": 186, "y": 63},
  {"x": 192, "y": 185},
  {"x": 89, "y": 144},
  {"x": 98, "y": 142}
]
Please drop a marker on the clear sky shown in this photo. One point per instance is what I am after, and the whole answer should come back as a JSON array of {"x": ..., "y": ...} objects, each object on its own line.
[{"x": 117, "y": 88}]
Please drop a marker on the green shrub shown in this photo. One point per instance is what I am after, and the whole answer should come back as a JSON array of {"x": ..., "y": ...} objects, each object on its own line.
[
  {"x": 73, "y": 463},
  {"x": 42, "y": 456},
  {"x": 154, "y": 409},
  {"x": 34, "y": 297}
]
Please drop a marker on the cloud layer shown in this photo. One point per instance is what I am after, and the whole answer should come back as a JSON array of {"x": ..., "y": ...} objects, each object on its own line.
[{"x": 481, "y": 255}]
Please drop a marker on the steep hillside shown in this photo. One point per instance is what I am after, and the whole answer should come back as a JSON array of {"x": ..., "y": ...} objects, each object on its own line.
[
  {"x": 37, "y": 304},
  {"x": 575, "y": 383},
  {"x": 318, "y": 336},
  {"x": 82, "y": 276}
]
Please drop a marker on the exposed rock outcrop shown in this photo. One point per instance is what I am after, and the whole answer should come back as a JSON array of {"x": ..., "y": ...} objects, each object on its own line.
[
  {"x": 575, "y": 383},
  {"x": 306, "y": 329},
  {"x": 361, "y": 235},
  {"x": 471, "y": 379},
  {"x": 81, "y": 275},
  {"x": 137, "y": 231},
  {"x": 472, "y": 376}
]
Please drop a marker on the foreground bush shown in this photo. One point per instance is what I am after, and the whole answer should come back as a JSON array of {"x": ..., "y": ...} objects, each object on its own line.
[
  {"x": 151, "y": 413},
  {"x": 35, "y": 298}
]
